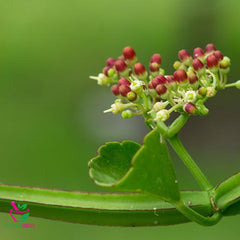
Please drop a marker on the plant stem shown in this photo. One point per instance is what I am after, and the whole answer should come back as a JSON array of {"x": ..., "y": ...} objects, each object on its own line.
[{"x": 178, "y": 147}]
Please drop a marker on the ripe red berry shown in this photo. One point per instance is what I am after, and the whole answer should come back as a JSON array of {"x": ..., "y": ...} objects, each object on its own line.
[
  {"x": 198, "y": 52},
  {"x": 180, "y": 75},
  {"x": 160, "y": 79},
  {"x": 212, "y": 61},
  {"x": 190, "y": 108},
  {"x": 161, "y": 89},
  {"x": 183, "y": 54},
  {"x": 156, "y": 58},
  {"x": 129, "y": 53},
  {"x": 209, "y": 48},
  {"x": 197, "y": 64},
  {"x": 139, "y": 69},
  {"x": 110, "y": 62},
  {"x": 120, "y": 65},
  {"x": 192, "y": 77},
  {"x": 124, "y": 81},
  {"x": 115, "y": 89},
  {"x": 124, "y": 90},
  {"x": 218, "y": 55}
]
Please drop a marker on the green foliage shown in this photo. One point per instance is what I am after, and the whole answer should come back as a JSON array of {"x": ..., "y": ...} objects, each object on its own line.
[{"x": 148, "y": 170}]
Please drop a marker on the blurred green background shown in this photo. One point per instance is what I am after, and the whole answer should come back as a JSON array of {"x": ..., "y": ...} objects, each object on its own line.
[{"x": 51, "y": 112}]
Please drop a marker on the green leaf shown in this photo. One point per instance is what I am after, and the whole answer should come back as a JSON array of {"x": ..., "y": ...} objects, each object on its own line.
[
  {"x": 150, "y": 170},
  {"x": 24, "y": 217}
]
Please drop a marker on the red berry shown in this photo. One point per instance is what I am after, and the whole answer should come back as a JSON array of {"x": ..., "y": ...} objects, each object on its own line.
[
  {"x": 190, "y": 108},
  {"x": 115, "y": 89},
  {"x": 124, "y": 90},
  {"x": 160, "y": 79},
  {"x": 170, "y": 79},
  {"x": 161, "y": 89},
  {"x": 156, "y": 58},
  {"x": 129, "y": 53},
  {"x": 218, "y": 55},
  {"x": 197, "y": 64},
  {"x": 105, "y": 70},
  {"x": 192, "y": 77},
  {"x": 180, "y": 75},
  {"x": 154, "y": 67},
  {"x": 183, "y": 54},
  {"x": 198, "y": 52},
  {"x": 120, "y": 65},
  {"x": 209, "y": 48},
  {"x": 150, "y": 86},
  {"x": 212, "y": 61},
  {"x": 139, "y": 69},
  {"x": 124, "y": 81},
  {"x": 110, "y": 62}
]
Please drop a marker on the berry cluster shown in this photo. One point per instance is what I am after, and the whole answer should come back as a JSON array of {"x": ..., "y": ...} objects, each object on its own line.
[{"x": 156, "y": 95}]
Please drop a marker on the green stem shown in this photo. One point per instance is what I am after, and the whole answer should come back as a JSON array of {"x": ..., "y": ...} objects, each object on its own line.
[
  {"x": 112, "y": 209},
  {"x": 190, "y": 164}
]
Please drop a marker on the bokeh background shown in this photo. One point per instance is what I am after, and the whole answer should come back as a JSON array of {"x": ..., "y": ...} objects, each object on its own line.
[{"x": 51, "y": 112}]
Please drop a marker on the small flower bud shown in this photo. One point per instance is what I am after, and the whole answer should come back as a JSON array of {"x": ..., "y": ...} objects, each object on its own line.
[
  {"x": 159, "y": 106},
  {"x": 112, "y": 73},
  {"x": 156, "y": 58},
  {"x": 190, "y": 96},
  {"x": 150, "y": 86},
  {"x": 124, "y": 90},
  {"x": 185, "y": 57},
  {"x": 218, "y": 55},
  {"x": 198, "y": 53},
  {"x": 189, "y": 108},
  {"x": 171, "y": 82},
  {"x": 162, "y": 115},
  {"x": 120, "y": 65},
  {"x": 127, "y": 114},
  {"x": 161, "y": 89},
  {"x": 160, "y": 79},
  {"x": 197, "y": 64},
  {"x": 116, "y": 107},
  {"x": 110, "y": 62},
  {"x": 211, "y": 92},
  {"x": 115, "y": 89},
  {"x": 177, "y": 65},
  {"x": 202, "y": 91},
  {"x": 212, "y": 61},
  {"x": 210, "y": 48},
  {"x": 124, "y": 81},
  {"x": 101, "y": 79},
  {"x": 180, "y": 75},
  {"x": 105, "y": 70},
  {"x": 225, "y": 63},
  {"x": 170, "y": 79},
  {"x": 131, "y": 96},
  {"x": 129, "y": 53},
  {"x": 139, "y": 69}
]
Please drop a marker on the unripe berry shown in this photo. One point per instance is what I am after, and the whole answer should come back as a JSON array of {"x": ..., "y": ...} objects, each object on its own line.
[
  {"x": 210, "y": 48},
  {"x": 160, "y": 79},
  {"x": 124, "y": 81},
  {"x": 177, "y": 65},
  {"x": 120, "y": 65},
  {"x": 192, "y": 77},
  {"x": 110, "y": 62},
  {"x": 139, "y": 69},
  {"x": 180, "y": 75},
  {"x": 115, "y": 89},
  {"x": 156, "y": 58},
  {"x": 218, "y": 55},
  {"x": 225, "y": 63},
  {"x": 127, "y": 114},
  {"x": 129, "y": 53},
  {"x": 202, "y": 91},
  {"x": 212, "y": 61},
  {"x": 161, "y": 89},
  {"x": 189, "y": 108},
  {"x": 197, "y": 64},
  {"x": 131, "y": 96},
  {"x": 124, "y": 90},
  {"x": 198, "y": 52}
]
